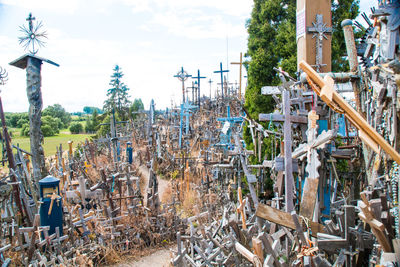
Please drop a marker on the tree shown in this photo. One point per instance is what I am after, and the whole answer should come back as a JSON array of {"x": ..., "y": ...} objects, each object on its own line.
[
  {"x": 136, "y": 106},
  {"x": 272, "y": 43},
  {"x": 75, "y": 128},
  {"x": 90, "y": 110},
  {"x": 57, "y": 111},
  {"x": 118, "y": 98}
]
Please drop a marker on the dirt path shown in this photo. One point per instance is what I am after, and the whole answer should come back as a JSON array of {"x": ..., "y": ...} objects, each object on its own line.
[
  {"x": 160, "y": 257},
  {"x": 157, "y": 256}
]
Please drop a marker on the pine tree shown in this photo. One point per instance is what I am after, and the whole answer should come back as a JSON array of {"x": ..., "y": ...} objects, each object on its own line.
[{"x": 118, "y": 98}]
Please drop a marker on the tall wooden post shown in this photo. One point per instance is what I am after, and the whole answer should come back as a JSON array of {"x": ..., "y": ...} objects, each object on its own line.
[
  {"x": 312, "y": 33},
  {"x": 33, "y": 65}
]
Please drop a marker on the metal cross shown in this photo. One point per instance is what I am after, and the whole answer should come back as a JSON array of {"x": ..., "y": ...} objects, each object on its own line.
[
  {"x": 182, "y": 76},
  {"x": 30, "y": 19},
  {"x": 32, "y": 35},
  {"x": 222, "y": 78},
  {"x": 319, "y": 29},
  {"x": 198, "y": 84},
  {"x": 210, "y": 82}
]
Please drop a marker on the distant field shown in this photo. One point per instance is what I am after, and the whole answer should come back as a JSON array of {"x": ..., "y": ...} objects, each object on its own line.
[{"x": 50, "y": 143}]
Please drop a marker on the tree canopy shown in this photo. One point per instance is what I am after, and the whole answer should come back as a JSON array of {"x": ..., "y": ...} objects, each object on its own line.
[
  {"x": 117, "y": 95},
  {"x": 57, "y": 111}
]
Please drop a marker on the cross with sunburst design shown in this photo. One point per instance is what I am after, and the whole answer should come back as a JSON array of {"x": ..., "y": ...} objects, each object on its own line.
[{"x": 33, "y": 35}]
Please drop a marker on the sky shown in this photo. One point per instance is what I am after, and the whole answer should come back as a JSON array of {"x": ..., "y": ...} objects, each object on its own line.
[{"x": 149, "y": 39}]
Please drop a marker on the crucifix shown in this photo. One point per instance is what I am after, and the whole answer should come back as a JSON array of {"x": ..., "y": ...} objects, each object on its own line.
[
  {"x": 221, "y": 71},
  {"x": 198, "y": 77},
  {"x": 319, "y": 29},
  {"x": 182, "y": 76},
  {"x": 240, "y": 63}
]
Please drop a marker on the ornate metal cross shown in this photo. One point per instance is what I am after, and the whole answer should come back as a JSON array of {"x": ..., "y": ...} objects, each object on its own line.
[
  {"x": 32, "y": 35},
  {"x": 320, "y": 30},
  {"x": 182, "y": 76}
]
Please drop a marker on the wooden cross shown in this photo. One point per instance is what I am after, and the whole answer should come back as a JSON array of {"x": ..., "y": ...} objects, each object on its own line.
[
  {"x": 325, "y": 89},
  {"x": 241, "y": 208},
  {"x": 240, "y": 63},
  {"x": 310, "y": 189},
  {"x": 378, "y": 228}
]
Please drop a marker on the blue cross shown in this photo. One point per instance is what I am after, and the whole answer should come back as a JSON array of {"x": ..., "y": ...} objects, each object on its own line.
[
  {"x": 198, "y": 84},
  {"x": 226, "y": 138},
  {"x": 186, "y": 110},
  {"x": 222, "y": 78}
]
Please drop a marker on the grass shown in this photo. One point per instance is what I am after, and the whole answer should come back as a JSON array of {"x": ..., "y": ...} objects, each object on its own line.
[{"x": 50, "y": 143}]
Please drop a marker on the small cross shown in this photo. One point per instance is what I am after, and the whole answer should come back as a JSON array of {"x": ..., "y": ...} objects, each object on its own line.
[
  {"x": 313, "y": 117},
  {"x": 30, "y": 19}
]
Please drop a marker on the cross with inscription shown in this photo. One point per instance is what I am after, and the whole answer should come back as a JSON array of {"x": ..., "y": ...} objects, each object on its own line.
[{"x": 319, "y": 29}]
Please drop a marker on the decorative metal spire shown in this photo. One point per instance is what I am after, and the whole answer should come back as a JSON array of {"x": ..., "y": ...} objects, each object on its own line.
[
  {"x": 33, "y": 35},
  {"x": 3, "y": 76}
]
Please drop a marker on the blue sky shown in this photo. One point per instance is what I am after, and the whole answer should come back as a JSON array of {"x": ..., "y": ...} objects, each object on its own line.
[{"x": 149, "y": 39}]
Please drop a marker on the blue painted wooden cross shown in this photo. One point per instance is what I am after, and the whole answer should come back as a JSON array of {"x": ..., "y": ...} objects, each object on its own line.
[
  {"x": 226, "y": 137},
  {"x": 222, "y": 78},
  {"x": 182, "y": 76},
  {"x": 198, "y": 86},
  {"x": 186, "y": 110}
]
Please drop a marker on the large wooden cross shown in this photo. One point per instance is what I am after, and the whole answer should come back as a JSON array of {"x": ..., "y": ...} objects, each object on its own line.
[
  {"x": 240, "y": 63},
  {"x": 324, "y": 87}
]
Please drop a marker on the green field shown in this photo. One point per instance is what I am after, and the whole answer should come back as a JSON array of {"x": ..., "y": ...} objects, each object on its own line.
[{"x": 50, "y": 143}]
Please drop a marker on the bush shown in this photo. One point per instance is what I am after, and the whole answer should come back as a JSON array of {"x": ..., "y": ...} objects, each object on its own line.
[
  {"x": 52, "y": 122},
  {"x": 25, "y": 130},
  {"x": 47, "y": 130},
  {"x": 75, "y": 128},
  {"x": 21, "y": 122}
]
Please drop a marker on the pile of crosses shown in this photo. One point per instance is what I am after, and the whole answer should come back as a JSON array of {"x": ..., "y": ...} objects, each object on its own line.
[
  {"x": 334, "y": 167},
  {"x": 90, "y": 205}
]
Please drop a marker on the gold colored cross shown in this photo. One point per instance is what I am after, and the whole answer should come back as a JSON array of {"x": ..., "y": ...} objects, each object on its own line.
[
  {"x": 241, "y": 208},
  {"x": 240, "y": 63}
]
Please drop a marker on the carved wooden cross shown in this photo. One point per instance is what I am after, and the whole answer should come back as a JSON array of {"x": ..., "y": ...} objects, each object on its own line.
[
  {"x": 241, "y": 207},
  {"x": 308, "y": 199},
  {"x": 378, "y": 228}
]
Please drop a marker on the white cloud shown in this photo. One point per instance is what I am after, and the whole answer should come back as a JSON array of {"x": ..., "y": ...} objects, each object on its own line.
[{"x": 69, "y": 6}]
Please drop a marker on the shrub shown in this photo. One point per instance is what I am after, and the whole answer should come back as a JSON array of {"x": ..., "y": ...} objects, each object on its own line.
[
  {"x": 47, "y": 130},
  {"x": 75, "y": 128}
]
